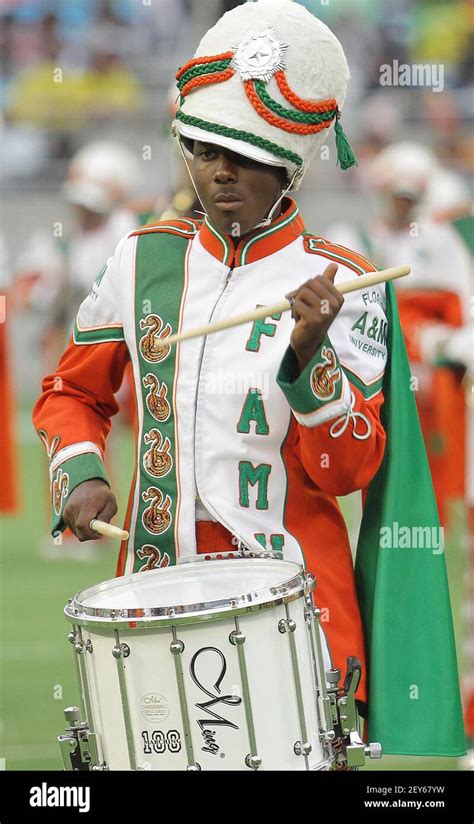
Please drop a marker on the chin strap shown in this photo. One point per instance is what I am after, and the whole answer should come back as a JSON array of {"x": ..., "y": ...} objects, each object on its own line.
[
  {"x": 190, "y": 176},
  {"x": 267, "y": 220}
]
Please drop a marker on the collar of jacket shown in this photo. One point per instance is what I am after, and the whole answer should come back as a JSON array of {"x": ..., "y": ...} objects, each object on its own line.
[{"x": 258, "y": 244}]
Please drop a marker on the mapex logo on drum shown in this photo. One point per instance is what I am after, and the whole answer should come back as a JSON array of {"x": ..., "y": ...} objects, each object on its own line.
[
  {"x": 213, "y": 719},
  {"x": 154, "y": 708}
]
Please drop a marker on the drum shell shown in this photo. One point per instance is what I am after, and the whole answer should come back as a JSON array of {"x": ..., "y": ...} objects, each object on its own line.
[{"x": 219, "y": 724}]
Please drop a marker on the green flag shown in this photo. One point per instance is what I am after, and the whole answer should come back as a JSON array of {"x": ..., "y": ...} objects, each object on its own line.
[{"x": 414, "y": 699}]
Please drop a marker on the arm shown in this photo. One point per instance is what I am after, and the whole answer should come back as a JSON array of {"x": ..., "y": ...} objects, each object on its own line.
[
  {"x": 340, "y": 438},
  {"x": 73, "y": 414}
]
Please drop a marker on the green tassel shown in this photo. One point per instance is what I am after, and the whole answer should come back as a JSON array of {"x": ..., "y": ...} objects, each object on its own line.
[{"x": 345, "y": 155}]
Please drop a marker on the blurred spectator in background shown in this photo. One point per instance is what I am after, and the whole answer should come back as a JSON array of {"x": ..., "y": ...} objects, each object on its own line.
[
  {"x": 110, "y": 27},
  {"x": 50, "y": 41},
  {"x": 109, "y": 87},
  {"x": 440, "y": 33},
  {"x": 55, "y": 272},
  {"x": 181, "y": 199},
  {"x": 101, "y": 178},
  {"x": 53, "y": 96},
  {"x": 7, "y": 46},
  {"x": 382, "y": 123},
  {"x": 64, "y": 87},
  {"x": 433, "y": 301}
]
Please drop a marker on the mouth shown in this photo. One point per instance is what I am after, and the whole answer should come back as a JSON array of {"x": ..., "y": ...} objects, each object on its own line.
[{"x": 228, "y": 201}]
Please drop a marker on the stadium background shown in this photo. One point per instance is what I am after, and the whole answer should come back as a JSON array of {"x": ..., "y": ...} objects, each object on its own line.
[{"x": 149, "y": 40}]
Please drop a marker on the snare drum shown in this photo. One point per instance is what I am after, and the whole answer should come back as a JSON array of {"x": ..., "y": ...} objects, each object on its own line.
[{"x": 216, "y": 665}]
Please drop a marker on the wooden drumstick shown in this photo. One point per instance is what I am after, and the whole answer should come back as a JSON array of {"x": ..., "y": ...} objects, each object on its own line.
[
  {"x": 109, "y": 530},
  {"x": 362, "y": 282}
]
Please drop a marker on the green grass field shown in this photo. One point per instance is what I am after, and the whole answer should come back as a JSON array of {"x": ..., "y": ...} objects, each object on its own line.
[{"x": 37, "y": 674}]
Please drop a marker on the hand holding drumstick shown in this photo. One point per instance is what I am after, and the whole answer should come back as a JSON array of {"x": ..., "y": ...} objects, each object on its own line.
[
  {"x": 90, "y": 507},
  {"x": 362, "y": 282},
  {"x": 314, "y": 306}
]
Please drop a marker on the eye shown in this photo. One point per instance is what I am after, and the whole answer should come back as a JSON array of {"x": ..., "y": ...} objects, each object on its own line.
[{"x": 208, "y": 154}]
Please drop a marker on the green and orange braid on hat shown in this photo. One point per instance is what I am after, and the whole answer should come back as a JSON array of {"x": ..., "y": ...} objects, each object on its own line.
[
  {"x": 267, "y": 81},
  {"x": 306, "y": 117}
]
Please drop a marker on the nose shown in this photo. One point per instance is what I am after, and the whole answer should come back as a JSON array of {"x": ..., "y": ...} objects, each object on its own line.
[{"x": 225, "y": 171}]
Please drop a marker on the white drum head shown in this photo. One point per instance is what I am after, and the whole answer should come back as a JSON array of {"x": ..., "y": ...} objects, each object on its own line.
[{"x": 189, "y": 589}]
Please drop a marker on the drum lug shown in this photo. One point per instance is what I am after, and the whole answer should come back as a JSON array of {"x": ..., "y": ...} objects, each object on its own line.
[
  {"x": 253, "y": 761},
  {"x": 286, "y": 625},
  {"x": 120, "y": 651},
  {"x": 237, "y": 637},
  {"x": 176, "y": 646},
  {"x": 79, "y": 746},
  {"x": 194, "y": 767},
  {"x": 76, "y": 640},
  {"x": 302, "y": 749},
  {"x": 79, "y": 645}
]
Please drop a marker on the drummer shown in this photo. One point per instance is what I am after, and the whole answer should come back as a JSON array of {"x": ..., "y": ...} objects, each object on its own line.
[{"x": 246, "y": 437}]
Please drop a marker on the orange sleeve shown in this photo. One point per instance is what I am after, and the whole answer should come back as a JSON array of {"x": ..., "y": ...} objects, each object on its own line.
[
  {"x": 341, "y": 438},
  {"x": 344, "y": 464},
  {"x": 73, "y": 415}
]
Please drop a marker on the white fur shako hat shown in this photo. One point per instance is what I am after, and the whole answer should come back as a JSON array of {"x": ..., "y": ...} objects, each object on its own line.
[{"x": 267, "y": 81}]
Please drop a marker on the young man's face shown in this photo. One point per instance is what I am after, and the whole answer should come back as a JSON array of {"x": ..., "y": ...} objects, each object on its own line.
[{"x": 237, "y": 193}]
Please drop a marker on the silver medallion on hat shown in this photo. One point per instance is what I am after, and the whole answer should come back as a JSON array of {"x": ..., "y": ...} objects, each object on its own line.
[{"x": 259, "y": 55}]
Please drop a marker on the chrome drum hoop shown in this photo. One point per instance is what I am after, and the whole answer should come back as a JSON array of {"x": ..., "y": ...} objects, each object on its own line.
[{"x": 296, "y": 587}]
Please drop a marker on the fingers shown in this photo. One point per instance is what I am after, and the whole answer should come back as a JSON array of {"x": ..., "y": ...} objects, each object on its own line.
[
  {"x": 306, "y": 298},
  {"x": 330, "y": 272},
  {"x": 96, "y": 503},
  {"x": 316, "y": 300},
  {"x": 314, "y": 291},
  {"x": 319, "y": 289},
  {"x": 83, "y": 531},
  {"x": 108, "y": 511}
]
